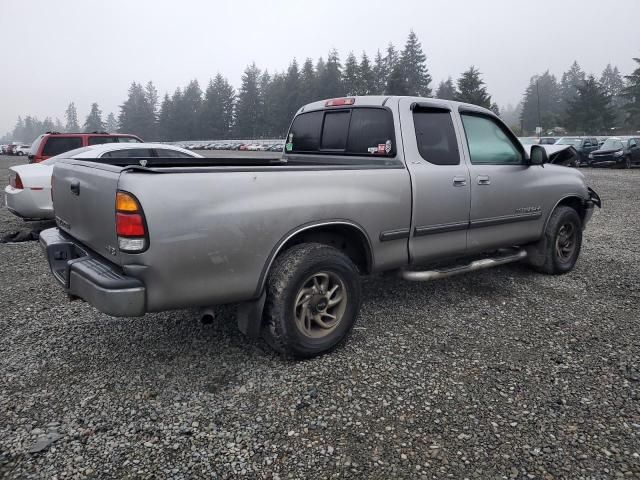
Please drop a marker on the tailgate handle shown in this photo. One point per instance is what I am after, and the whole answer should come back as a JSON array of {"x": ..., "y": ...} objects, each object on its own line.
[{"x": 75, "y": 187}]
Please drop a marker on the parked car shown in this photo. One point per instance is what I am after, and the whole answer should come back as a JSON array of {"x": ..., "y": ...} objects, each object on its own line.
[
  {"x": 529, "y": 140},
  {"x": 51, "y": 144},
  {"x": 583, "y": 145},
  {"x": 617, "y": 152},
  {"x": 28, "y": 194},
  {"x": 22, "y": 150},
  {"x": 366, "y": 184},
  {"x": 548, "y": 140}
]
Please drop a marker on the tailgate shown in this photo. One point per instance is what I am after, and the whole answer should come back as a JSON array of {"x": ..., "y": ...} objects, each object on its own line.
[{"x": 84, "y": 196}]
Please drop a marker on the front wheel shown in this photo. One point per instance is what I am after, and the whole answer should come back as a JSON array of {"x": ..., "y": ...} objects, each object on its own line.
[
  {"x": 313, "y": 299},
  {"x": 557, "y": 252}
]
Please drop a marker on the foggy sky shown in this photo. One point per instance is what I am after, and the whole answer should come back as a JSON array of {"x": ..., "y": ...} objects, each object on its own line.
[{"x": 85, "y": 51}]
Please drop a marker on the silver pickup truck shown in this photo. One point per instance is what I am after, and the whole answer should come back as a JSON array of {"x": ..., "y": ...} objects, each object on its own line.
[{"x": 417, "y": 187}]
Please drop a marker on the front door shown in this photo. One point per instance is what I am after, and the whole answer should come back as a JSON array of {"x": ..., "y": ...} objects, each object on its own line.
[
  {"x": 506, "y": 206},
  {"x": 440, "y": 181}
]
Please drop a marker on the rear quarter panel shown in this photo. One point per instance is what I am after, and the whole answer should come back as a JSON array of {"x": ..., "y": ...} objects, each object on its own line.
[{"x": 212, "y": 233}]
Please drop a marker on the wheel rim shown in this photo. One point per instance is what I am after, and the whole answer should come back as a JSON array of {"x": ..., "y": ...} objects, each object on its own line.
[
  {"x": 566, "y": 241},
  {"x": 320, "y": 304}
]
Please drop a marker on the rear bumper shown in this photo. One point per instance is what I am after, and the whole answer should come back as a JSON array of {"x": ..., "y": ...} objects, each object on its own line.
[{"x": 84, "y": 274}]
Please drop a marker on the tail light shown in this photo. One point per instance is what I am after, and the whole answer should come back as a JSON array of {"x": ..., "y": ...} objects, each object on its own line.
[
  {"x": 131, "y": 226},
  {"x": 16, "y": 182}
]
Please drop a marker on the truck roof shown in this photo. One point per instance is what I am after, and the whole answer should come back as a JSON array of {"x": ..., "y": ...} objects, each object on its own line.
[{"x": 388, "y": 100}]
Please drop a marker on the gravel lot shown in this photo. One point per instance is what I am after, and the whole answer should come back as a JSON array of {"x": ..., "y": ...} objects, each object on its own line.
[{"x": 498, "y": 374}]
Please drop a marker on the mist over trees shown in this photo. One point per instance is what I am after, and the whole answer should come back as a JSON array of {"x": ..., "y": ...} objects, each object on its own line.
[{"x": 264, "y": 103}]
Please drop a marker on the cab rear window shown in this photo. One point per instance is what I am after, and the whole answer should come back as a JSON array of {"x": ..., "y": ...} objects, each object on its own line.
[{"x": 364, "y": 131}]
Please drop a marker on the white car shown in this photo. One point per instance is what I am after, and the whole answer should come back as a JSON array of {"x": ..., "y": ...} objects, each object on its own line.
[
  {"x": 28, "y": 194},
  {"x": 22, "y": 150}
]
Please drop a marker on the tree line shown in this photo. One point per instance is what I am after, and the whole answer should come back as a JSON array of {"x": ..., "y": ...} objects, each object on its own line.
[{"x": 263, "y": 105}]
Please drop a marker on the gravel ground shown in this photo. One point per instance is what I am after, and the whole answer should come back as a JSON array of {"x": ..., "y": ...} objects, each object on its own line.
[{"x": 498, "y": 374}]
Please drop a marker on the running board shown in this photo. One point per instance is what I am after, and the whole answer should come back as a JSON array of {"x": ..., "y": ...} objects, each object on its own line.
[{"x": 426, "y": 275}]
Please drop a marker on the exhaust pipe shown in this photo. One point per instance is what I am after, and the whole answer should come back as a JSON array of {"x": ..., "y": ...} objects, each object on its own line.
[
  {"x": 427, "y": 275},
  {"x": 207, "y": 316}
]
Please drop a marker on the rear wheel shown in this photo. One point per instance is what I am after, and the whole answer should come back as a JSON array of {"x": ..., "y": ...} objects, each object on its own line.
[
  {"x": 557, "y": 252},
  {"x": 313, "y": 298}
]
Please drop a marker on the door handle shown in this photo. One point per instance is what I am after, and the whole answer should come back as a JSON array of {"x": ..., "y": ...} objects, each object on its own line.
[
  {"x": 459, "y": 181},
  {"x": 75, "y": 187},
  {"x": 484, "y": 180}
]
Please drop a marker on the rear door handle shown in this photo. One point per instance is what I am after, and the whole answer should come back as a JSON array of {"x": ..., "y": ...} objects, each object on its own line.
[
  {"x": 484, "y": 180},
  {"x": 459, "y": 181}
]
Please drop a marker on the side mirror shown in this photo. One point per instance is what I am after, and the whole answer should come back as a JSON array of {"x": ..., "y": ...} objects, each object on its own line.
[{"x": 538, "y": 155}]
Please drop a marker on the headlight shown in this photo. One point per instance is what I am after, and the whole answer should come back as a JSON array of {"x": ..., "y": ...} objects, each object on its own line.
[
  {"x": 619, "y": 153},
  {"x": 591, "y": 156}
]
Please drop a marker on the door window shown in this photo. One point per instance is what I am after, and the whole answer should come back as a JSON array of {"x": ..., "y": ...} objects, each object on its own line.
[
  {"x": 488, "y": 142},
  {"x": 436, "y": 137},
  {"x": 101, "y": 140}
]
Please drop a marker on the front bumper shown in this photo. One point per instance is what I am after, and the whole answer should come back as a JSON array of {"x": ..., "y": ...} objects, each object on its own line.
[
  {"x": 84, "y": 274},
  {"x": 594, "y": 201}
]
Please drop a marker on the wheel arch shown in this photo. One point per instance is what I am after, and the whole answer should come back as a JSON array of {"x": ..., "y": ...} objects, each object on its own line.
[
  {"x": 572, "y": 200},
  {"x": 347, "y": 236}
]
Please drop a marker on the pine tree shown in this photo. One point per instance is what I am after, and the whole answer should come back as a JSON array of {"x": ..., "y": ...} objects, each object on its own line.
[
  {"x": 350, "y": 77},
  {"x": 366, "y": 80},
  {"x": 216, "y": 116},
  {"x": 543, "y": 92},
  {"x": 58, "y": 126},
  {"x": 321, "y": 72},
  {"x": 248, "y": 106},
  {"x": 414, "y": 65},
  {"x": 391, "y": 59},
  {"x": 471, "y": 89},
  {"x": 71, "y": 115},
  {"x": 307, "y": 82},
  {"x": 151, "y": 95},
  {"x": 93, "y": 122},
  {"x": 112, "y": 123},
  {"x": 380, "y": 74},
  {"x": 590, "y": 111},
  {"x": 569, "y": 83},
  {"x": 137, "y": 114},
  {"x": 190, "y": 107},
  {"x": 165, "y": 117},
  {"x": 330, "y": 81},
  {"x": 396, "y": 83},
  {"x": 446, "y": 90},
  {"x": 631, "y": 93},
  {"x": 292, "y": 89},
  {"x": 613, "y": 84}
]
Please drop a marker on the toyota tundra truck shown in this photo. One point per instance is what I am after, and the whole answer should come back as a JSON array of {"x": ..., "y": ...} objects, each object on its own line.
[{"x": 415, "y": 187}]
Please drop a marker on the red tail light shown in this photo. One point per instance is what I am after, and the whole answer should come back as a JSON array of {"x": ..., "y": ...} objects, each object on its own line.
[
  {"x": 130, "y": 224},
  {"x": 16, "y": 182},
  {"x": 339, "y": 102}
]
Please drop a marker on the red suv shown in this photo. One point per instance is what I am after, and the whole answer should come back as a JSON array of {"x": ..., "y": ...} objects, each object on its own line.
[{"x": 51, "y": 144}]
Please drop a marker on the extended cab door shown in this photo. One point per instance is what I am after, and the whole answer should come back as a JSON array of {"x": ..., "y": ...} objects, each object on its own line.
[
  {"x": 506, "y": 193},
  {"x": 439, "y": 180}
]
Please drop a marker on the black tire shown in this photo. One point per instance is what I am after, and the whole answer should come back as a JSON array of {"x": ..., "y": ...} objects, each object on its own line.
[
  {"x": 557, "y": 251},
  {"x": 290, "y": 273}
]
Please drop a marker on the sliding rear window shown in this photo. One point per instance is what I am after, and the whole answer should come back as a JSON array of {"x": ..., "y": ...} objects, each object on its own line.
[{"x": 366, "y": 131}]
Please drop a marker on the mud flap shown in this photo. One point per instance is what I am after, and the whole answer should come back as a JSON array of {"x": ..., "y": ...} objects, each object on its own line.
[{"x": 249, "y": 316}]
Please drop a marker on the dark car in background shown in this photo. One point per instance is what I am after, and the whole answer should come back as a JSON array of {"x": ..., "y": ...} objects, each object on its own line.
[
  {"x": 617, "y": 152},
  {"x": 583, "y": 145}
]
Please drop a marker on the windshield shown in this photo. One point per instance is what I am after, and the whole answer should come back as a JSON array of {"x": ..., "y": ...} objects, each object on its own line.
[
  {"x": 569, "y": 141},
  {"x": 612, "y": 144}
]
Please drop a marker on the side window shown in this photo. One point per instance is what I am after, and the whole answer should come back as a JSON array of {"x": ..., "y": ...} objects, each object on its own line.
[
  {"x": 101, "y": 140},
  {"x": 488, "y": 143},
  {"x": 166, "y": 153},
  {"x": 436, "y": 136},
  {"x": 304, "y": 135},
  {"x": 126, "y": 140},
  {"x": 57, "y": 145},
  {"x": 129, "y": 153},
  {"x": 633, "y": 143}
]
